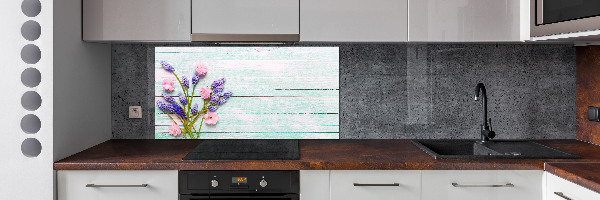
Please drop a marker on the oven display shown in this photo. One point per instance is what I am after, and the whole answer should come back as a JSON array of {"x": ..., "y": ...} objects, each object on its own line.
[{"x": 239, "y": 180}]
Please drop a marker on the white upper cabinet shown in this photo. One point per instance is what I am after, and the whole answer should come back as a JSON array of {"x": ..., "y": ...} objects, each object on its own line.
[
  {"x": 245, "y": 20},
  {"x": 354, "y": 20},
  {"x": 468, "y": 20},
  {"x": 136, "y": 20}
]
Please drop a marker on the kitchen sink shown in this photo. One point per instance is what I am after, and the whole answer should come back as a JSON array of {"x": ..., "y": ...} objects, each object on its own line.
[{"x": 441, "y": 149}]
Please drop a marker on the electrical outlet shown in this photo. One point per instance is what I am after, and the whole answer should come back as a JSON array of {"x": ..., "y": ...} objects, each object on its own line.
[{"x": 135, "y": 112}]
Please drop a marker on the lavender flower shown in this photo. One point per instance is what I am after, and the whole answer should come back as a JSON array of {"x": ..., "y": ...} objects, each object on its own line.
[
  {"x": 222, "y": 101},
  {"x": 165, "y": 107},
  {"x": 214, "y": 98},
  {"x": 168, "y": 98},
  {"x": 218, "y": 82},
  {"x": 161, "y": 105},
  {"x": 167, "y": 66},
  {"x": 185, "y": 82},
  {"x": 218, "y": 90},
  {"x": 182, "y": 99},
  {"x": 227, "y": 94},
  {"x": 179, "y": 111},
  {"x": 195, "y": 79},
  {"x": 195, "y": 109},
  {"x": 215, "y": 84},
  {"x": 212, "y": 108}
]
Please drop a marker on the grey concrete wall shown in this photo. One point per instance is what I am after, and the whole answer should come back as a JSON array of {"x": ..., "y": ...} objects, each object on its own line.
[{"x": 409, "y": 90}]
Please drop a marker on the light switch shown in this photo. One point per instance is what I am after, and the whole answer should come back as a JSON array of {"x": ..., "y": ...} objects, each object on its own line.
[{"x": 135, "y": 112}]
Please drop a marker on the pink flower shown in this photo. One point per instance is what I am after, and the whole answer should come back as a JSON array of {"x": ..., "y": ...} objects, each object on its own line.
[
  {"x": 205, "y": 92},
  {"x": 174, "y": 130},
  {"x": 169, "y": 84},
  {"x": 200, "y": 68},
  {"x": 211, "y": 118}
]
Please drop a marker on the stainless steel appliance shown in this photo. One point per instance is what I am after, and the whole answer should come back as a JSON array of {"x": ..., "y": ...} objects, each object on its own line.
[
  {"x": 555, "y": 17},
  {"x": 234, "y": 185}
]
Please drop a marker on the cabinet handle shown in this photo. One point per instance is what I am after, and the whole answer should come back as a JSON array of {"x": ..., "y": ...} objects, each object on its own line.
[
  {"x": 94, "y": 185},
  {"x": 505, "y": 185},
  {"x": 560, "y": 194},
  {"x": 362, "y": 184}
]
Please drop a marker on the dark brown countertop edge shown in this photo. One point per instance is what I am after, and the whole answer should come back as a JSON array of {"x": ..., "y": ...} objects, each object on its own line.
[{"x": 584, "y": 174}]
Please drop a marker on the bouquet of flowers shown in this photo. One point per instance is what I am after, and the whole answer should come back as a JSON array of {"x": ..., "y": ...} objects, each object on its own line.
[{"x": 212, "y": 96}]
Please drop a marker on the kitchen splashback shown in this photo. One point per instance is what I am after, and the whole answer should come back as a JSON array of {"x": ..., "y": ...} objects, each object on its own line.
[
  {"x": 250, "y": 92},
  {"x": 407, "y": 90}
]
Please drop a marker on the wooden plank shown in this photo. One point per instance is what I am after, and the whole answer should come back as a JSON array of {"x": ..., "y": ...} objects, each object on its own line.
[{"x": 279, "y": 92}]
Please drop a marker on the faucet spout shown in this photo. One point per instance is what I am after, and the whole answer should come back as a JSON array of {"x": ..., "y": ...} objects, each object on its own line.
[{"x": 486, "y": 132}]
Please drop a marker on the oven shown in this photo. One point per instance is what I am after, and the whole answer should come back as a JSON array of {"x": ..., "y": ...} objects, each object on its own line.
[
  {"x": 234, "y": 185},
  {"x": 555, "y": 17}
]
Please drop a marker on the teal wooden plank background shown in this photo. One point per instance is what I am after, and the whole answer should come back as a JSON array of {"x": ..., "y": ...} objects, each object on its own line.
[{"x": 278, "y": 92}]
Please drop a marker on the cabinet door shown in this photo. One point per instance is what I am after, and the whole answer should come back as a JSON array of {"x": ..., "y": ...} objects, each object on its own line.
[
  {"x": 314, "y": 185},
  {"x": 561, "y": 189},
  {"x": 375, "y": 185},
  {"x": 354, "y": 20},
  {"x": 482, "y": 184},
  {"x": 136, "y": 20},
  {"x": 468, "y": 20},
  {"x": 117, "y": 185},
  {"x": 245, "y": 17}
]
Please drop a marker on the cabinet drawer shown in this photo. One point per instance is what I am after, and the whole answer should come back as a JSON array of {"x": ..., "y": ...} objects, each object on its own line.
[
  {"x": 380, "y": 185},
  {"x": 117, "y": 185},
  {"x": 567, "y": 189},
  {"x": 482, "y": 184}
]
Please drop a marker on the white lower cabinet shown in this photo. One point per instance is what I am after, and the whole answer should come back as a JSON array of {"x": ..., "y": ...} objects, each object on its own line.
[
  {"x": 314, "y": 184},
  {"x": 375, "y": 185},
  {"x": 561, "y": 189},
  {"x": 117, "y": 185},
  {"x": 482, "y": 184}
]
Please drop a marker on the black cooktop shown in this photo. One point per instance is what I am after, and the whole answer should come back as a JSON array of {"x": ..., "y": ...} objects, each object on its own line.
[{"x": 243, "y": 149}]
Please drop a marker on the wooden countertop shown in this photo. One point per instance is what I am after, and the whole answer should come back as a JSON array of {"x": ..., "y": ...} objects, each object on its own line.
[
  {"x": 581, "y": 173},
  {"x": 314, "y": 155}
]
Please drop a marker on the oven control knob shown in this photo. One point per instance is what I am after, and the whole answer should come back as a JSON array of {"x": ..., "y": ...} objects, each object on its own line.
[
  {"x": 214, "y": 183},
  {"x": 263, "y": 183}
]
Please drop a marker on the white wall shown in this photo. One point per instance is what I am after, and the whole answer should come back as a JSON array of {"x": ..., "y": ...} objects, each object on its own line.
[
  {"x": 24, "y": 177},
  {"x": 81, "y": 84}
]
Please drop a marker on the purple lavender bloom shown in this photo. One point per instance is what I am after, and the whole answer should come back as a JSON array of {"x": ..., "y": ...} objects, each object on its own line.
[
  {"x": 212, "y": 108},
  {"x": 185, "y": 82},
  {"x": 167, "y": 66},
  {"x": 222, "y": 101},
  {"x": 215, "y": 84},
  {"x": 195, "y": 109},
  {"x": 218, "y": 90},
  {"x": 182, "y": 99},
  {"x": 227, "y": 94},
  {"x": 168, "y": 98},
  {"x": 214, "y": 98},
  {"x": 179, "y": 111},
  {"x": 161, "y": 105},
  {"x": 195, "y": 79}
]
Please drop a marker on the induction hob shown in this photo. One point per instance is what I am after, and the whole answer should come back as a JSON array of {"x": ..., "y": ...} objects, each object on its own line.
[{"x": 243, "y": 149}]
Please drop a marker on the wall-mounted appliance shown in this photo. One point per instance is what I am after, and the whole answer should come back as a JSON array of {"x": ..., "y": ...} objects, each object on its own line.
[{"x": 562, "y": 19}]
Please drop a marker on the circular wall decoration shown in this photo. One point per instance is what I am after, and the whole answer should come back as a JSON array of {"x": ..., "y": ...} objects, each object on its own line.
[
  {"x": 31, "y": 147},
  {"x": 31, "y": 100},
  {"x": 31, "y": 54},
  {"x": 31, "y": 124},
  {"x": 31, "y": 8},
  {"x": 31, "y": 77},
  {"x": 31, "y": 30}
]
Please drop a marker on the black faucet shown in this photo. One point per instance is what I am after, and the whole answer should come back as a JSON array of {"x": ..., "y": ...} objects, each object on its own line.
[{"x": 486, "y": 129}]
